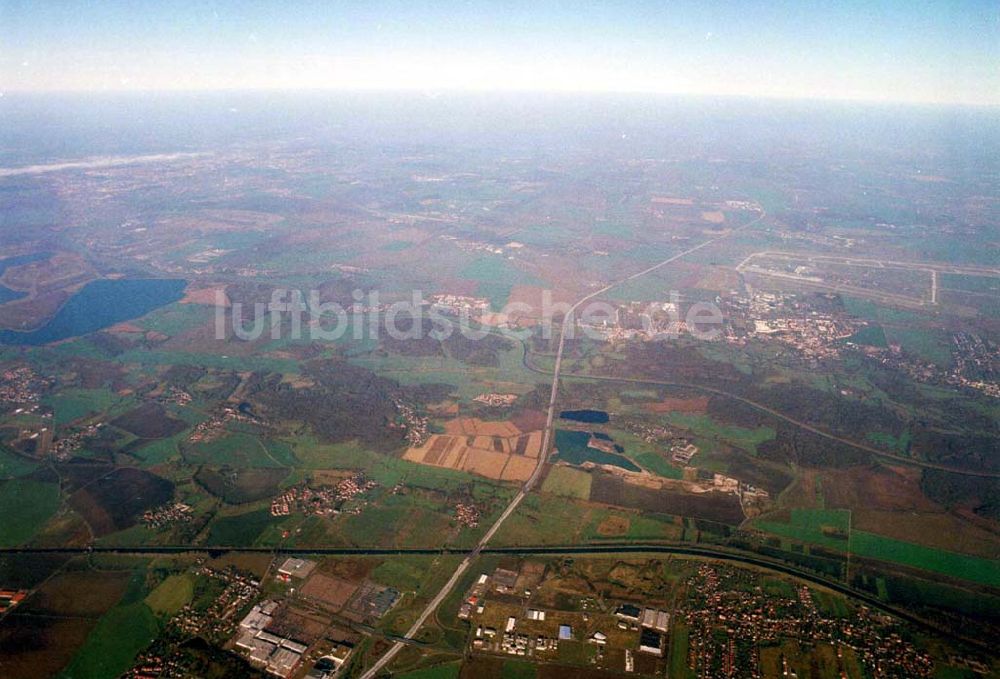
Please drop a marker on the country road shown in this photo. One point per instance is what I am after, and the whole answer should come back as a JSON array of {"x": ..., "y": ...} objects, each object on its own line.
[{"x": 567, "y": 324}]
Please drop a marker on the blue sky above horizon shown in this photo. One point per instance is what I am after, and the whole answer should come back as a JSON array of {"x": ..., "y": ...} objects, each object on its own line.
[{"x": 900, "y": 50}]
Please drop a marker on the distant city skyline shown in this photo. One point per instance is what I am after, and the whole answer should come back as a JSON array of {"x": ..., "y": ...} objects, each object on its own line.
[{"x": 899, "y": 51}]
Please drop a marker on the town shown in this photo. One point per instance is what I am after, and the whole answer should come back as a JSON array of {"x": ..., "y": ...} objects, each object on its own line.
[
  {"x": 324, "y": 500},
  {"x": 738, "y": 629}
]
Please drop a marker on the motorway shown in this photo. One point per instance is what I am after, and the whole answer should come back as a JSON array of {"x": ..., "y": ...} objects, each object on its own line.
[{"x": 567, "y": 324}]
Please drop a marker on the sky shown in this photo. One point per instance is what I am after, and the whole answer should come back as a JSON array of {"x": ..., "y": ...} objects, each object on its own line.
[{"x": 888, "y": 50}]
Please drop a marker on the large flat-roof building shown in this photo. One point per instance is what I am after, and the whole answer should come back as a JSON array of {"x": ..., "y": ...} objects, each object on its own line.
[
  {"x": 656, "y": 619},
  {"x": 504, "y": 580},
  {"x": 295, "y": 568},
  {"x": 651, "y": 641},
  {"x": 282, "y": 662},
  {"x": 628, "y": 612}
]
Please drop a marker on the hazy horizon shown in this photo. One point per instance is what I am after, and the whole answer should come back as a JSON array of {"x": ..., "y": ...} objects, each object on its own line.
[
  {"x": 46, "y": 127},
  {"x": 939, "y": 52}
]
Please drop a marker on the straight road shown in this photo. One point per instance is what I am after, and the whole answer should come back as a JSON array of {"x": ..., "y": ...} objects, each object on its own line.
[{"x": 567, "y": 324}]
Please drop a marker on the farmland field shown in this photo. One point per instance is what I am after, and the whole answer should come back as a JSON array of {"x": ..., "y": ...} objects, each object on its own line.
[
  {"x": 712, "y": 506},
  {"x": 568, "y": 482},
  {"x": 34, "y": 646},
  {"x": 118, "y": 636},
  {"x": 830, "y": 528},
  {"x": 171, "y": 595},
  {"x": 679, "y": 653},
  {"x": 657, "y": 463},
  {"x": 115, "y": 501},
  {"x": 25, "y": 505},
  {"x": 239, "y": 529},
  {"x": 704, "y": 425},
  {"x": 445, "y": 671},
  {"x": 73, "y": 404},
  {"x": 236, "y": 485},
  {"x": 240, "y": 449},
  {"x": 495, "y": 279},
  {"x": 59, "y": 619}
]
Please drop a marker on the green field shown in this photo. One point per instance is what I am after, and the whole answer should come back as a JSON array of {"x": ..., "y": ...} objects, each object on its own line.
[
  {"x": 161, "y": 450},
  {"x": 871, "y": 311},
  {"x": 830, "y": 528},
  {"x": 657, "y": 463},
  {"x": 405, "y": 573},
  {"x": 12, "y": 465},
  {"x": 496, "y": 278},
  {"x": 73, "y": 404},
  {"x": 869, "y": 335},
  {"x": 971, "y": 283},
  {"x": 113, "y": 644},
  {"x": 778, "y": 587},
  {"x": 930, "y": 345},
  {"x": 704, "y": 425},
  {"x": 833, "y": 605},
  {"x": 468, "y": 380},
  {"x": 384, "y": 469},
  {"x": 960, "y": 566},
  {"x": 240, "y": 529},
  {"x": 397, "y": 521},
  {"x": 175, "y": 318},
  {"x": 446, "y": 671},
  {"x": 241, "y": 450},
  {"x": 954, "y": 673},
  {"x": 548, "y": 519},
  {"x": 679, "y": 654},
  {"x": 518, "y": 669},
  {"x": 901, "y": 327},
  {"x": 651, "y": 288},
  {"x": 826, "y": 527},
  {"x": 543, "y": 519},
  {"x": 424, "y": 575},
  {"x": 171, "y": 595},
  {"x": 248, "y": 363},
  {"x": 640, "y": 527},
  {"x": 568, "y": 482},
  {"x": 25, "y": 505},
  {"x": 886, "y": 440}
]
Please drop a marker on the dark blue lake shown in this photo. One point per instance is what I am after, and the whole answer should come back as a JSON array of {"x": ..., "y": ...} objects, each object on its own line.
[
  {"x": 589, "y": 416},
  {"x": 6, "y": 294},
  {"x": 101, "y": 304}
]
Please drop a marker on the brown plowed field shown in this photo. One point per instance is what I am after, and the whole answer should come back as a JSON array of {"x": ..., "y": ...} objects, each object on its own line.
[{"x": 496, "y": 450}]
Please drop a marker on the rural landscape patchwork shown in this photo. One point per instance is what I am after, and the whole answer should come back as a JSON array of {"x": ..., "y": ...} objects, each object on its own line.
[
  {"x": 776, "y": 451},
  {"x": 494, "y": 385}
]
